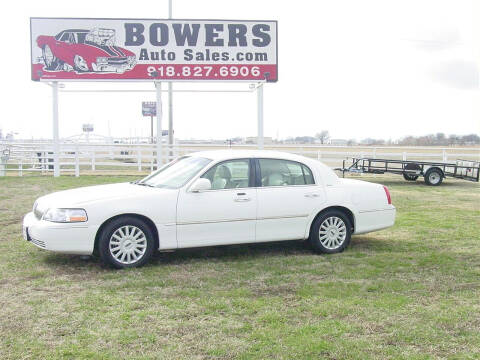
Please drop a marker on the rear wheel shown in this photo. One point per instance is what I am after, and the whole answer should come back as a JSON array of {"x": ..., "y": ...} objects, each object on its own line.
[
  {"x": 433, "y": 177},
  {"x": 126, "y": 242},
  {"x": 331, "y": 232}
]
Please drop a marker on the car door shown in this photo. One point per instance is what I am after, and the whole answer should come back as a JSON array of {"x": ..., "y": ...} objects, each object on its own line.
[
  {"x": 286, "y": 196},
  {"x": 226, "y": 214}
]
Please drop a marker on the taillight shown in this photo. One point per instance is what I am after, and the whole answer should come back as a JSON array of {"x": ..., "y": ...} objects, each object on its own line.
[{"x": 389, "y": 198}]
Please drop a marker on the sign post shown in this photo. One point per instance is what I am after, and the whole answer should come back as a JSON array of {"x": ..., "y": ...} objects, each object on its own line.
[
  {"x": 56, "y": 138},
  {"x": 260, "y": 116},
  {"x": 158, "y": 87}
]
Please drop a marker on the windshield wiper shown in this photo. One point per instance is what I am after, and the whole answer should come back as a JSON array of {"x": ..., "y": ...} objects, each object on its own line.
[{"x": 143, "y": 184}]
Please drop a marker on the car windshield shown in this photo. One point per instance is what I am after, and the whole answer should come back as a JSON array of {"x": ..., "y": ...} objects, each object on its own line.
[{"x": 175, "y": 174}]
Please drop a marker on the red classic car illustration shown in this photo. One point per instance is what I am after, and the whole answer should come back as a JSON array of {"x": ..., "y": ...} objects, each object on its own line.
[{"x": 85, "y": 51}]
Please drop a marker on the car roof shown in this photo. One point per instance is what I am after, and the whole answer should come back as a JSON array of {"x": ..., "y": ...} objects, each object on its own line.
[{"x": 235, "y": 154}]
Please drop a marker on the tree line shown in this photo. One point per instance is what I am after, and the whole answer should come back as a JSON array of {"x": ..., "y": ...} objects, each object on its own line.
[{"x": 438, "y": 139}]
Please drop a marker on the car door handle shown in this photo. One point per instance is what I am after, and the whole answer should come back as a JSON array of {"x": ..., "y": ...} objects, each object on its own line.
[
  {"x": 312, "y": 195},
  {"x": 242, "y": 199}
]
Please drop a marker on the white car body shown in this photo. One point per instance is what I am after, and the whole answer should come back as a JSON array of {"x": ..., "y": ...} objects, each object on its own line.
[{"x": 182, "y": 218}]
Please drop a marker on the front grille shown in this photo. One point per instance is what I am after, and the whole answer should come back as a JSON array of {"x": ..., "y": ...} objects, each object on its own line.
[
  {"x": 117, "y": 61},
  {"x": 39, "y": 243}
]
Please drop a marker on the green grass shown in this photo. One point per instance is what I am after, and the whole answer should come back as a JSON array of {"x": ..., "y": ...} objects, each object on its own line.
[{"x": 410, "y": 292}]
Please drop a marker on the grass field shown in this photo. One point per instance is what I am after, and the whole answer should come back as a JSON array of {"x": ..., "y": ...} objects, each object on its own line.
[{"x": 410, "y": 292}]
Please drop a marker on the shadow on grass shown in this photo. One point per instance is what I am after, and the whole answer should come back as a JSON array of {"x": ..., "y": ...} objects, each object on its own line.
[
  {"x": 243, "y": 252},
  {"x": 71, "y": 264}
]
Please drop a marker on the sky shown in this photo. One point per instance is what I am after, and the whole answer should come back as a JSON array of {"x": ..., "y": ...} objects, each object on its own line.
[{"x": 359, "y": 69}]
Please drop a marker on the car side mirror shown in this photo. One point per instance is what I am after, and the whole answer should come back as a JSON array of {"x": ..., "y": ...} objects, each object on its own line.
[{"x": 201, "y": 184}]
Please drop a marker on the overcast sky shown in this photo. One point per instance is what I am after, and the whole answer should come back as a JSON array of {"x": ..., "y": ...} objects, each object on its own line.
[{"x": 358, "y": 68}]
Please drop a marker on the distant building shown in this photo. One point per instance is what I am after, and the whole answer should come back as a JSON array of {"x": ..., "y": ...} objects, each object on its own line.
[
  {"x": 254, "y": 140},
  {"x": 339, "y": 142}
]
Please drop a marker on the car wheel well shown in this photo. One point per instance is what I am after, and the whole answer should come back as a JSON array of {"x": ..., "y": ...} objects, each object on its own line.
[
  {"x": 342, "y": 209},
  {"x": 435, "y": 168},
  {"x": 147, "y": 220}
]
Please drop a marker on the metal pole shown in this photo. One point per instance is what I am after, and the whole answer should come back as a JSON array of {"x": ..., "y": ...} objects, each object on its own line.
[
  {"x": 56, "y": 138},
  {"x": 260, "y": 116},
  {"x": 170, "y": 100},
  {"x": 170, "y": 119},
  {"x": 151, "y": 129},
  {"x": 158, "y": 86}
]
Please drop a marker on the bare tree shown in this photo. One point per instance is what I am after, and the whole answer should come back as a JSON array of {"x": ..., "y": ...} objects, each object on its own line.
[{"x": 323, "y": 136}]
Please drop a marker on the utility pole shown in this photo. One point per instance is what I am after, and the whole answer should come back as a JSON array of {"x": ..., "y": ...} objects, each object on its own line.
[{"x": 170, "y": 101}]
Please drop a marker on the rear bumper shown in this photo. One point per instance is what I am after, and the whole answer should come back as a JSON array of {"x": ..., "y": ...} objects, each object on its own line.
[
  {"x": 368, "y": 221},
  {"x": 64, "y": 238}
]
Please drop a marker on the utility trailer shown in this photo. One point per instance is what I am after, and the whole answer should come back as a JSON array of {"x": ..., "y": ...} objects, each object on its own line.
[{"x": 432, "y": 172}]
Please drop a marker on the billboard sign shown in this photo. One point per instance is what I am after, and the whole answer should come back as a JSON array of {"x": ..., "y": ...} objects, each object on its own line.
[
  {"x": 150, "y": 49},
  {"x": 149, "y": 108}
]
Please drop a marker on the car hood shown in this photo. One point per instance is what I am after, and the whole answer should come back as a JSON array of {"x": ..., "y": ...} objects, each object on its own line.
[{"x": 85, "y": 195}]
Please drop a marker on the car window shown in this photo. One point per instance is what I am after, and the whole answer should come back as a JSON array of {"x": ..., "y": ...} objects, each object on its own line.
[
  {"x": 230, "y": 174},
  {"x": 275, "y": 172},
  {"x": 177, "y": 173},
  {"x": 65, "y": 37}
]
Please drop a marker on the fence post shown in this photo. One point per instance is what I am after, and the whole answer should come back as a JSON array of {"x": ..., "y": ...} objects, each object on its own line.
[
  {"x": 20, "y": 168},
  {"x": 374, "y": 153},
  {"x": 319, "y": 155},
  {"x": 404, "y": 156},
  {"x": 139, "y": 159},
  {"x": 93, "y": 159},
  {"x": 444, "y": 155},
  {"x": 77, "y": 164}
]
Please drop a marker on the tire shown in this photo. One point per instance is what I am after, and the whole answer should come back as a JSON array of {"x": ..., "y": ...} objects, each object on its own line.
[
  {"x": 126, "y": 242},
  {"x": 50, "y": 60},
  {"x": 76, "y": 66},
  {"x": 433, "y": 177},
  {"x": 331, "y": 232},
  {"x": 410, "y": 177}
]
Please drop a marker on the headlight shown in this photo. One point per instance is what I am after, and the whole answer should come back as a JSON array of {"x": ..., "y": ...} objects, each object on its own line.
[
  {"x": 102, "y": 60},
  {"x": 65, "y": 215}
]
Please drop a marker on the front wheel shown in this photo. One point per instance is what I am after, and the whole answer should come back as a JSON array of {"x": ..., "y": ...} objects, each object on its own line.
[
  {"x": 331, "y": 232},
  {"x": 126, "y": 242},
  {"x": 50, "y": 60}
]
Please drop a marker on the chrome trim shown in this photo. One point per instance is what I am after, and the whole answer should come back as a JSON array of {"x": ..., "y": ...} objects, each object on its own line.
[
  {"x": 376, "y": 210},
  {"x": 246, "y": 219}
]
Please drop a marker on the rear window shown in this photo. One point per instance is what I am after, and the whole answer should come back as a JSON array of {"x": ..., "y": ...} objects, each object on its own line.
[{"x": 276, "y": 172}]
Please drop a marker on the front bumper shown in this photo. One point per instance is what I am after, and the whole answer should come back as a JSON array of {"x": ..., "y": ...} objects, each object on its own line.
[
  {"x": 76, "y": 238},
  {"x": 112, "y": 68}
]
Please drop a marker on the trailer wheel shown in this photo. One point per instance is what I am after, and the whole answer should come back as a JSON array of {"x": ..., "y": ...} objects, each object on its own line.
[
  {"x": 410, "y": 177},
  {"x": 433, "y": 177}
]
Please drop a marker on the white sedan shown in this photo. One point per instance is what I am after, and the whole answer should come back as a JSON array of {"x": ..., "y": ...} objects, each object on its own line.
[{"x": 210, "y": 198}]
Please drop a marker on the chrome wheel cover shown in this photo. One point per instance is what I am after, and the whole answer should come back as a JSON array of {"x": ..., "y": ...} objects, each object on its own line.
[
  {"x": 332, "y": 233},
  {"x": 128, "y": 244},
  {"x": 434, "y": 178}
]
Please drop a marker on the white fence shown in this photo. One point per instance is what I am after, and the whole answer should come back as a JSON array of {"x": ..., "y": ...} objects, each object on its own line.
[{"x": 83, "y": 158}]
